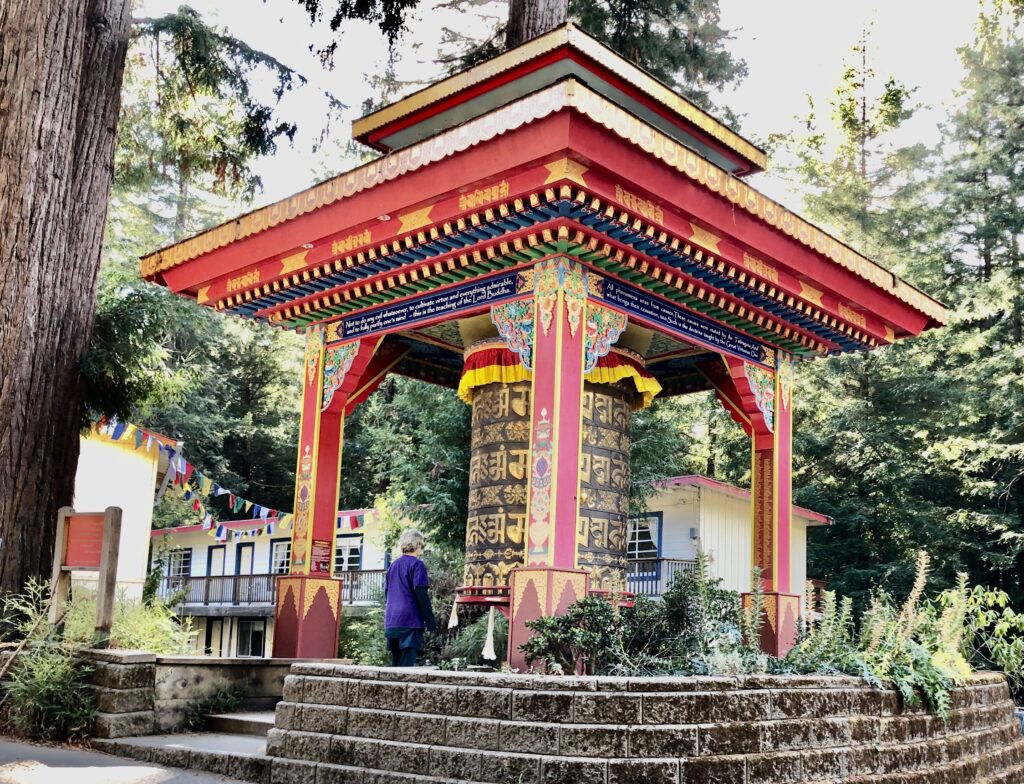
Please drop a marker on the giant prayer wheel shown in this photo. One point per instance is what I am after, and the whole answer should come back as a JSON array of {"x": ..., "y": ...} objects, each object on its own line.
[{"x": 499, "y": 390}]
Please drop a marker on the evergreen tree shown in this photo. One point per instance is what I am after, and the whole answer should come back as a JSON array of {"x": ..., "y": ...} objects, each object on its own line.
[
  {"x": 919, "y": 445},
  {"x": 679, "y": 41}
]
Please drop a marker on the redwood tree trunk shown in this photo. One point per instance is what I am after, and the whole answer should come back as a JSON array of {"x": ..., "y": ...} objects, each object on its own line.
[
  {"x": 530, "y": 18},
  {"x": 61, "y": 67}
]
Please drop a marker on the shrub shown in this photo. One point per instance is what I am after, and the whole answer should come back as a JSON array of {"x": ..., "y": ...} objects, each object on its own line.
[
  {"x": 582, "y": 638},
  {"x": 362, "y": 638},
  {"x": 46, "y": 695},
  {"x": 136, "y": 625},
  {"x": 198, "y": 711}
]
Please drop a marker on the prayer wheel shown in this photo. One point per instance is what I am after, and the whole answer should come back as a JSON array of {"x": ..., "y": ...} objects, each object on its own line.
[{"x": 496, "y": 531}]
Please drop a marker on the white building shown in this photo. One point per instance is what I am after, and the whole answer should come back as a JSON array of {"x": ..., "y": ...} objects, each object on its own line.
[
  {"x": 228, "y": 588},
  {"x": 691, "y": 513},
  {"x": 122, "y": 472}
]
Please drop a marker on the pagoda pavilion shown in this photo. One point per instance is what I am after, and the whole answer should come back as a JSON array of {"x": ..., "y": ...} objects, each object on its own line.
[{"x": 561, "y": 238}]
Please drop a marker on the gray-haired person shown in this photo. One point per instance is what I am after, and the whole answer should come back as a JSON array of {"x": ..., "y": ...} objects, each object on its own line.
[{"x": 407, "y": 610}]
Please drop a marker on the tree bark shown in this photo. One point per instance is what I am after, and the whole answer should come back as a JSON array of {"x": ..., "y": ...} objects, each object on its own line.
[
  {"x": 61, "y": 67},
  {"x": 529, "y": 18}
]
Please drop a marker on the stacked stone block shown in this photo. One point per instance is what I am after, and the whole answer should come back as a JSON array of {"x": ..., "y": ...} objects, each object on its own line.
[
  {"x": 368, "y": 725},
  {"x": 123, "y": 686}
]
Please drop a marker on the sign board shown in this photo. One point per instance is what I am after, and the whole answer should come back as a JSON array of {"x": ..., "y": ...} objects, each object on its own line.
[
  {"x": 320, "y": 559},
  {"x": 433, "y": 306},
  {"x": 85, "y": 541},
  {"x": 686, "y": 324}
]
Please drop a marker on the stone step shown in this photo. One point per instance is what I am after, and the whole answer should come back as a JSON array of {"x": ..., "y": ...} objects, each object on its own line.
[
  {"x": 241, "y": 757},
  {"x": 256, "y": 723}
]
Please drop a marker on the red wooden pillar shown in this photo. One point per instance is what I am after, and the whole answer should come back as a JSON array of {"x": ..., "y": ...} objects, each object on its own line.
[
  {"x": 772, "y": 510},
  {"x": 761, "y": 400},
  {"x": 548, "y": 333},
  {"x": 308, "y": 606}
]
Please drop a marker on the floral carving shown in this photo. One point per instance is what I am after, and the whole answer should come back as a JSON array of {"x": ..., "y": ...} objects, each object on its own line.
[{"x": 515, "y": 323}]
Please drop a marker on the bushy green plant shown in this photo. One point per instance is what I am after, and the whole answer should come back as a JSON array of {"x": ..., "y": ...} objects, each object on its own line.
[
  {"x": 924, "y": 647},
  {"x": 198, "y": 711},
  {"x": 136, "y": 625},
  {"x": 46, "y": 694},
  {"x": 697, "y": 628},
  {"x": 362, "y": 638},
  {"x": 582, "y": 638},
  {"x": 703, "y": 615}
]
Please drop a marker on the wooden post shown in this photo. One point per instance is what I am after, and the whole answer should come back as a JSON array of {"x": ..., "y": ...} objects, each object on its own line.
[
  {"x": 60, "y": 584},
  {"x": 107, "y": 577}
]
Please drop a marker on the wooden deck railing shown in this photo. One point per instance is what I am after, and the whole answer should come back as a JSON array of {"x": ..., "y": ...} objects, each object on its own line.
[
  {"x": 653, "y": 576},
  {"x": 246, "y": 589},
  {"x": 647, "y": 577}
]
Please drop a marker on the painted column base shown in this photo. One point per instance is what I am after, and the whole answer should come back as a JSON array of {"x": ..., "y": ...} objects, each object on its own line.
[
  {"x": 779, "y": 626},
  {"x": 536, "y": 592},
  {"x": 307, "y": 617}
]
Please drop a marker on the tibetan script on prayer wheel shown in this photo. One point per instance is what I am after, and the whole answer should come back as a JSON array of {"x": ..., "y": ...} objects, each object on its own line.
[
  {"x": 498, "y": 477},
  {"x": 602, "y": 531}
]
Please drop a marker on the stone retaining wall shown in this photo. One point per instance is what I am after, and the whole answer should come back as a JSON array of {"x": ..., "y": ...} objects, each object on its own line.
[
  {"x": 373, "y": 725},
  {"x": 138, "y": 693},
  {"x": 183, "y": 679}
]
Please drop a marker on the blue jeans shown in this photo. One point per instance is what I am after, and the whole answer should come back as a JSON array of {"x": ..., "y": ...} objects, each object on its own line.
[{"x": 404, "y": 644}]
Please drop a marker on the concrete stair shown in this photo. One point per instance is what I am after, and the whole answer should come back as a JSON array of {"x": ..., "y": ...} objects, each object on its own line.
[
  {"x": 256, "y": 723},
  {"x": 240, "y": 757}
]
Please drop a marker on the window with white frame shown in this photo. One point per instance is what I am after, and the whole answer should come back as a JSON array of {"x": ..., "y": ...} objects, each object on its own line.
[
  {"x": 280, "y": 556},
  {"x": 643, "y": 538},
  {"x": 251, "y": 634},
  {"x": 348, "y": 553},
  {"x": 179, "y": 562}
]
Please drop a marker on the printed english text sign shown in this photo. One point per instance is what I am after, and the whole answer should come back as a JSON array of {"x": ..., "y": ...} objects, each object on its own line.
[
  {"x": 639, "y": 303},
  {"x": 443, "y": 303},
  {"x": 85, "y": 541}
]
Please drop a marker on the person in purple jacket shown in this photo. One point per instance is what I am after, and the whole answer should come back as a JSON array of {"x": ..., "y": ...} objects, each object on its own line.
[{"x": 407, "y": 610}]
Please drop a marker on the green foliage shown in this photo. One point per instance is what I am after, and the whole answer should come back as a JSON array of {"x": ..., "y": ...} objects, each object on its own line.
[
  {"x": 923, "y": 648},
  {"x": 362, "y": 638},
  {"x": 197, "y": 711},
  {"x": 46, "y": 694},
  {"x": 583, "y": 637},
  {"x": 388, "y": 15},
  {"x": 704, "y": 615},
  {"x": 681, "y": 42},
  {"x": 200, "y": 116},
  {"x": 897, "y": 445},
  {"x": 137, "y": 626},
  {"x": 411, "y": 439},
  {"x": 697, "y": 628}
]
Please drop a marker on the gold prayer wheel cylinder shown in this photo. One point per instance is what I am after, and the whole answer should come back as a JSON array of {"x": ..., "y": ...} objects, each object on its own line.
[{"x": 499, "y": 478}]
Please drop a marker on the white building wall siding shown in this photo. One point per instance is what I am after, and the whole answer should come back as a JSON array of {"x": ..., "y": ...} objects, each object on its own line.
[
  {"x": 110, "y": 473},
  {"x": 724, "y": 524},
  {"x": 679, "y": 513},
  {"x": 725, "y": 537},
  {"x": 798, "y": 559}
]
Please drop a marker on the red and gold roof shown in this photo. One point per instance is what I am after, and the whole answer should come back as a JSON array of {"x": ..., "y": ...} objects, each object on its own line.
[{"x": 565, "y": 169}]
